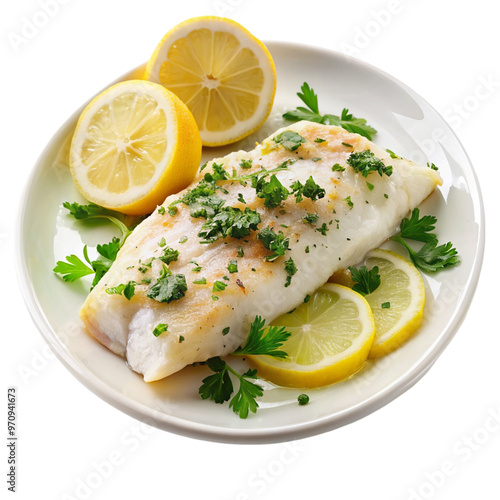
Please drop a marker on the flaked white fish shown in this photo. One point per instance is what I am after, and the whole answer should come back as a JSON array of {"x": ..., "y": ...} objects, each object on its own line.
[{"x": 355, "y": 215}]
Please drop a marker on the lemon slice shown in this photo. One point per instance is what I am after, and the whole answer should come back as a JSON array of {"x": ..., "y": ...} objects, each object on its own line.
[
  {"x": 397, "y": 304},
  {"x": 134, "y": 144},
  {"x": 331, "y": 336},
  {"x": 222, "y": 72}
]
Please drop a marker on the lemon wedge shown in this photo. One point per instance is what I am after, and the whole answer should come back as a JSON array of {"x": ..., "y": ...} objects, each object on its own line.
[
  {"x": 134, "y": 144},
  {"x": 224, "y": 74},
  {"x": 331, "y": 335},
  {"x": 397, "y": 304}
]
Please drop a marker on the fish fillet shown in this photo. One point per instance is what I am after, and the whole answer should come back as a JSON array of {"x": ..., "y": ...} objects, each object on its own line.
[{"x": 355, "y": 215}]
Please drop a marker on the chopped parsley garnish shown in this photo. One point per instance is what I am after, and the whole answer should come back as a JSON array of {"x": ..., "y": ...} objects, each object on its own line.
[
  {"x": 319, "y": 140},
  {"x": 272, "y": 191},
  {"x": 308, "y": 190},
  {"x": 229, "y": 221},
  {"x": 162, "y": 242},
  {"x": 241, "y": 199},
  {"x": 338, "y": 168},
  {"x": 432, "y": 166},
  {"x": 349, "y": 202},
  {"x": 161, "y": 210},
  {"x": 370, "y": 186},
  {"x": 275, "y": 242},
  {"x": 225, "y": 331},
  {"x": 246, "y": 163},
  {"x": 366, "y": 281},
  {"x": 241, "y": 253},
  {"x": 218, "y": 387},
  {"x": 168, "y": 287},
  {"x": 307, "y": 298},
  {"x": 196, "y": 268},
  {"x": 169, "y": 255},
  {"x": 183, "y": 239},
  {"x": 181, "y": 339},
  {"x": 392, "y": 154},
  {"x": 323, "y": 229},
  {"x": 385, "y": 305},
  {"x": 365, "y": 162},
  {"x": 127, "y": 289},
  {"x": 347, "y": 145},
  {"x": 233, "y": 266},
  {"x": 289, "y": 139},
  {"x": 219, "y": 286},
  {"x": 159, "y": 329},
  {"x": 311, "y": 113},
  {"x": 290, "y": 269},
  {"x": 218, "y": 174},
  {"x": 172, "y": 211},
  {"x": 201, "y": 281},
  {"x": 310, "y": 218}
]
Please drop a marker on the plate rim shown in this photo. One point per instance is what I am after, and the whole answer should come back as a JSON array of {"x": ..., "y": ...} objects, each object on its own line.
[{"x": 209, "y": 432}]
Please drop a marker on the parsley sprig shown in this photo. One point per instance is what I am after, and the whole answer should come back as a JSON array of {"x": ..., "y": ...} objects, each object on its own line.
[
  {"x": 219, "y": 388},
  {"x": 73, "y": 268},
  {"x": 346, "y": 120},
  {"x": 431, "y": 257}
]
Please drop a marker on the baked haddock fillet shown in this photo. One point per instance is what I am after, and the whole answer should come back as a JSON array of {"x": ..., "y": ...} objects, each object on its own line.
[{"x": 354, "y": 214}]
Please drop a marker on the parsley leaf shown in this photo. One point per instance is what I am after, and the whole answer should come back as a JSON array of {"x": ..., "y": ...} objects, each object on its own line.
[
  {"x": 366, "y": 162},
  {"x": 168, "y": 287},
  {"x": 217, "y": 387},
  {"x": 127, "y": 289},
  {"x": 289, "y": 139},
  {"x": 366, "y": 281},
  {"x": 276, "y": 243},
  {"x": 416, "y": 228},
  {"x": 431, "y": 257},
  {"x": 346, "y": 120},
  {"x": 244, "y": 400},
  {"x": 73, "y": 269},
  {"x": 233, "y": 266},
  {"x": 260, "y": 341}
]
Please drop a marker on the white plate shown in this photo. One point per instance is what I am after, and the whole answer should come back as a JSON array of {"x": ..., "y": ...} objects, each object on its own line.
[{"x": 406, "y": 124}]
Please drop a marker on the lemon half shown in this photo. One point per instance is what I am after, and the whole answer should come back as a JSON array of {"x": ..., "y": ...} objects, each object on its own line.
[
  {"x": 332, "y": 334},
  {"x": 134, "y": 144},
  {"x": 224, "y": 74}
]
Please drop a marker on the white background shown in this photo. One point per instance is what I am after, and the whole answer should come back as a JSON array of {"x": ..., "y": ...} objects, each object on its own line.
[{"x": 432, "y": 442}]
